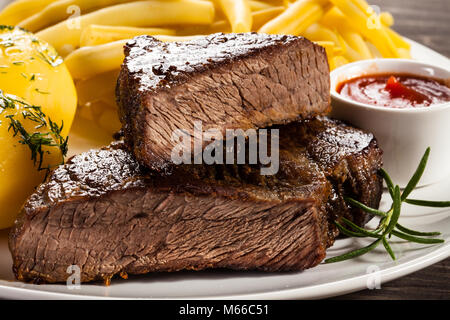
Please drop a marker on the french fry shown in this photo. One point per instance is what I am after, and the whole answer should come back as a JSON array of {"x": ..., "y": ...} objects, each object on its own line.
[
  {"x": 20, "y": 10},
  {"x": 373, "y": 50},
  {"x": 259, "y": 5},
  {"x": 337, "y": 61},
  {"x": 310, "y": 17},
  {"x": 356, "y": 42},
  {"x": 216, "y": 26},
  {"x": 95, "y": 34},
  {"x": 360, "y": 21},
  {"x": 296, "y": 18},
  {"x": 142, "y": 13},
  {"x": 350, "y": 31},
  {"x": 329, "y": 44},
  {"x": 254, "y": 5},
  {"x": 262, "y": 16},
  {"x": 398, "y": 40},
  {"x": 404, "y": 53},
  {"x": 259, "y": 18},
  {"x": 335, "y": 18},
  {"x": 351, "y": 54},
  {"x": 318, "y": 32},
  {"x": 363, "y": 6},
  {"x": 273, "y": 3},
  {"x": 57, "y": 11},
  {"x": 238, "y": 13},
  {"x": 392, "y": 37},
  {"x": 330, "y": 48},
  {"x": 387, "y": 19}
]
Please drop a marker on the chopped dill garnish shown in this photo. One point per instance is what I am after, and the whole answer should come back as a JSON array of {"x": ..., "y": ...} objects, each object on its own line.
[
  {"x": 18, "y": 63},
  {"x": 43, "y": 50},
  {"x": 4, "y": 27},
  {"x": 41, "y": 92},
  {"x": 7, "y": 43},
  {"x": 6, "y": 102},
  {"x": 37, "y": 140},
  {"x": 53, "y": 60}
]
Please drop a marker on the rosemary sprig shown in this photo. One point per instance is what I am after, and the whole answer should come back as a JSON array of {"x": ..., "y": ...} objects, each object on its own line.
[
  {"x": 416, "y": 176},
  {"x": 388, "y": 224},
  {"x": 38, "y": 140},
  {"x": 425, "y": 203}
]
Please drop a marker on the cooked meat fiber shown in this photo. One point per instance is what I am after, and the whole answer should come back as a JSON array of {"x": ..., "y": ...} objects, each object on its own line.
[
  {"x": 227, "y": 81},
  {"x": 103, "y": 212}
]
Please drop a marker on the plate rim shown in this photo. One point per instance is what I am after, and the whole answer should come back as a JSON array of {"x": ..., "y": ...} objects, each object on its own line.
[{"x": 307, "y": 293}]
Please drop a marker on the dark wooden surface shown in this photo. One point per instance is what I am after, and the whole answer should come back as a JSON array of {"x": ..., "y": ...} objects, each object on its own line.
[{"x": 427, "y": 22}]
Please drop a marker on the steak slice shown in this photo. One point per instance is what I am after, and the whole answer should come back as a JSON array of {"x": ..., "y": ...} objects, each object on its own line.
[
  {"x": 105, "y": 213},
  {"x": 226, "y": 81}
]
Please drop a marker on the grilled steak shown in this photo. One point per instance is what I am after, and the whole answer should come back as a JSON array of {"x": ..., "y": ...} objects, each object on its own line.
[
  {"x": 227, "y": 81},
  {"x": 105, "y": 213}
]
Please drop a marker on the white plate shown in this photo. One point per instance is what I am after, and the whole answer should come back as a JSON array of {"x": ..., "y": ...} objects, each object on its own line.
[{"x": 320, "y": 282}]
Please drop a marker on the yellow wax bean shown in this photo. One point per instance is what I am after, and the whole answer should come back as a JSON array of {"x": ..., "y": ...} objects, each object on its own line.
[
  {"x": 20, "y": 10},
  {"x": 296, "y": 18},
  {"x": 95, "y": 34},
  {"x": 238, "y": 13},
  {"x": 67, "y": 34},
  {"x": 359, "y": 20},
  {"x": 61, "y": 10},
  {"x": 261, "y": 17}
]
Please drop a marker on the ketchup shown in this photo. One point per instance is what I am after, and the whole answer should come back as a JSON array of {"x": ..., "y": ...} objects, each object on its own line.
[{"x": 395, "y": 90}]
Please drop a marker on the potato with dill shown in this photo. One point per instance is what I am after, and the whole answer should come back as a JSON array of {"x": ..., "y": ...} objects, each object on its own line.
[{"x": 37, "y": 106}]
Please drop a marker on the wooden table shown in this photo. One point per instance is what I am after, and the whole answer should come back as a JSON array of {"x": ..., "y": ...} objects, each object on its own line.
[{"x": 427, "y": 22}]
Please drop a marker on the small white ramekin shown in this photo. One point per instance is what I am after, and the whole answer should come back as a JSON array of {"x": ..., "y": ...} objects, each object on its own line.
[{"x": 403, "y": 134}]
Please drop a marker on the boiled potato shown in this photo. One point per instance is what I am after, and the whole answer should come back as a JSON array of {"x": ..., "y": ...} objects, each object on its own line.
[{"x": 31, "y": 71}]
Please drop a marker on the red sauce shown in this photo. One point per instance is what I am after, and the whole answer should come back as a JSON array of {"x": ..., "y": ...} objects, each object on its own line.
[{"x": 395, "y": 91}]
